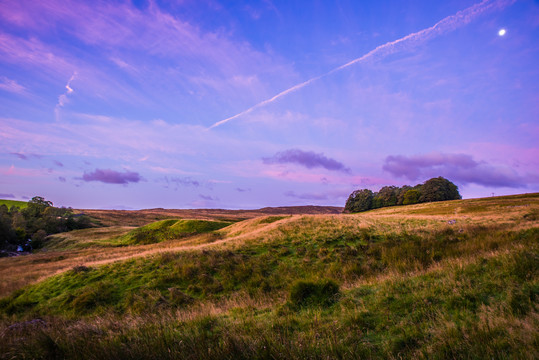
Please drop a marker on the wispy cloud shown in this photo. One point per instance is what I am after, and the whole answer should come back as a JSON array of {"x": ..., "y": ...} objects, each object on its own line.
[
  {"x": 108, "y": 176},
  {"x": 7, "y": 196},
  {"x": 63, "y": 99},
  {"x": 179, "y": 181},
  {"x": 7, "y": 84},
  {"x": 26, "y": 156},
  {"x": 306, "y": 196},
  {"x": 126, "y": 36},
  {"x": 308, "y": 159},
  {"x": 460, "y": 168},
  {"x": 208, "y": 197},
  {"x": 443, "y": 26}
]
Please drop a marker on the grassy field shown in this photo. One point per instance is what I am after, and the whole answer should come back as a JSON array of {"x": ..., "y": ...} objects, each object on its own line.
[
  {"x": 10, "y": 203},
  {"x": 457, "y": 279}
]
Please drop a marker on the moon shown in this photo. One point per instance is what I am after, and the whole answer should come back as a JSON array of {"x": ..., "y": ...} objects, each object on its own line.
[{"x": 501, "y": 32}]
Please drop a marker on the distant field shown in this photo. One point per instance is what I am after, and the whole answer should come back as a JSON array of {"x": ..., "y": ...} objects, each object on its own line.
[
  {"x": 143, "y": 217},
  {"x": 447, "y": 280},
  {"x": 10, "y": 203}
]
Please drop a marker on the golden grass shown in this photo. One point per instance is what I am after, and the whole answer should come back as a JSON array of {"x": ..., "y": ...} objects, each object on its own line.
[{"x": 509, "y": 213}]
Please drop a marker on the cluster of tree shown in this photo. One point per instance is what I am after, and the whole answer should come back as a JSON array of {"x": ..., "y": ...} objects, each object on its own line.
[
  {"x": 27, "y": 228},
  {"x": 435, "y": 189}
]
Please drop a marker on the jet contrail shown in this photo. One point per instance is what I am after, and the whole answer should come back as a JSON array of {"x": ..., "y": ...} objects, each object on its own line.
[{"x": 443, "y": 26}]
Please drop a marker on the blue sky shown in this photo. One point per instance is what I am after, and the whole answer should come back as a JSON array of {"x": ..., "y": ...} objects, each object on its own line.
[{"x": 245, "y": 104}]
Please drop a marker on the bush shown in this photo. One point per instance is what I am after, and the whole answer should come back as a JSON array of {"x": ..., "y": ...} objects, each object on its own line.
[{"x": 314, "y": 293}]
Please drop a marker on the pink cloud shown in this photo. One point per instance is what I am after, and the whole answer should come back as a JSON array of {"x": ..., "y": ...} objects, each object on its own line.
[
  {"x": 7, "y": 84},
  {"x": 14, "y": 171},
  {"x": 122, "y": 26}
]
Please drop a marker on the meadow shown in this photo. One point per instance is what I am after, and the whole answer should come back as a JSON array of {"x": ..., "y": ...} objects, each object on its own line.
[
  {"x": 454, "y": 279},
  {"x": 16, "y": 203}
]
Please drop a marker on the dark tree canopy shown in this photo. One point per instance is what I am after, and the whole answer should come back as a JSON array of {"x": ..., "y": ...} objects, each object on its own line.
[
  {"x": 386, "y": 196},
  {"x": 411, "y": 196},
  {"x": 435, "y": 189},
  {"x": 439, "y": 189},
  {"x": 35, "y": 222},
  {"x": 359, "y": 200}
]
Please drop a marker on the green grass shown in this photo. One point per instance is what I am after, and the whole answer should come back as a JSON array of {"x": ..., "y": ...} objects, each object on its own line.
[
  {"x": 257, "y": 269},
  {"x": 484, "y": 309},
  {"x": 381, "y": 285},
  {"x": 168, "y": 230},
  {"x": 10, "y": 203},
  {"x": 153, "y": 233}
]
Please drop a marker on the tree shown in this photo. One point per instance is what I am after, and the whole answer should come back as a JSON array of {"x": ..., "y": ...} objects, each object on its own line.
[
  {"x": 435, "y": 189},
  {"x": 439, "y": 189},
  {"x": 359, "y": 200},
  {"x": 411, "y": 197},
  {"x": 36, "y": 221},
  {"x": 387, "y": 196},
  {"x": 401, "y": 192}
]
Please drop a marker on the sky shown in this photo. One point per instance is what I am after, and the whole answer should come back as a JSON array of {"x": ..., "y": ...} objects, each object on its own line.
[{"x": 246, "y": 104}]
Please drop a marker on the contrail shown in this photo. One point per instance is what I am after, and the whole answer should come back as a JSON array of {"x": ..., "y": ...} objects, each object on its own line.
[{"x": 443, "y": 26}]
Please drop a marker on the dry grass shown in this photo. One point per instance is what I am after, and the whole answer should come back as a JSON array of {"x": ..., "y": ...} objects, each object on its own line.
[
  {"x": 477, "y": 298},
  {"x": 510, "y": 213},
  {"x": 143, "y": 217}
]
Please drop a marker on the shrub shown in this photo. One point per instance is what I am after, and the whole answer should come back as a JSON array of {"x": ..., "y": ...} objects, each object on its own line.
[{"x": 317, "y": 293}]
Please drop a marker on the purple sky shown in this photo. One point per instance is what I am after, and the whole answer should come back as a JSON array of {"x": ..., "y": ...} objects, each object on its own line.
[{"x": 246, "y": 104}]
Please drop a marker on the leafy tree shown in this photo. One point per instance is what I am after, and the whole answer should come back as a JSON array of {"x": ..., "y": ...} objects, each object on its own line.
[
  {"x": 39, "y": 219},
  {"x": 387, "y": 196},
  {"x": 439, "y": 189},
  {"x": 7, "y": 233},
  {"x": 411, "y": 197},
  {"x": 435, "y": 189},
  {"x": 400, "y": 194},
  {"x": 359, "y": 200}
]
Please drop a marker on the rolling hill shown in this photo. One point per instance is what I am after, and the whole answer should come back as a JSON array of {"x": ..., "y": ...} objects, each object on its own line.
[{"x": 455, "y": 279}]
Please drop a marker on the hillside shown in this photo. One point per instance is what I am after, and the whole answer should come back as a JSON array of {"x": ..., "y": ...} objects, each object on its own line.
[
  {"x": 16, "y": 203},
  {"x": 143, "y": 217},
  {"x": 455, "y": 279}
]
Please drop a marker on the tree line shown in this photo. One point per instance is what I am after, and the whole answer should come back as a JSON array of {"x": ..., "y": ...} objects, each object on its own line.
[
  {"x": 26, "y": 229},
  {"x": 435, "y": 189}
]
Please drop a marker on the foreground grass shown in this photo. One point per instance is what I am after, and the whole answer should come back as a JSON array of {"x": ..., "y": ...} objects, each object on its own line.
[
  {"x": 459, "y": 281},
  {"x": 483, "y": 309}
]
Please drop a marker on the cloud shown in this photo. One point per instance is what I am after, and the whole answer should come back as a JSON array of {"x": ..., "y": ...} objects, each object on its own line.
[
  {"x": 208, "y": 198},
  {"x": 306, "y": 196},
  {"x": 58, "y": 163},
  {"x": 307, "y": 159},
  {"x": 242, "y": 190},
  {"x": 125, "y": 36},
  {"x": 61, "y": 179},
  {"x": 185, "y": 181},
  {"x": 108, "y": 176},
  {"x": 63, "y": 99},
  {"x": 461, "y": 168},
  {"x": 8, "y": 196},
  {"x": 11, "y": 85},
  {"x": 443, "y": 26},
  {"x": 20, "y": 156},
  {"x": 25, "y": 156}
]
